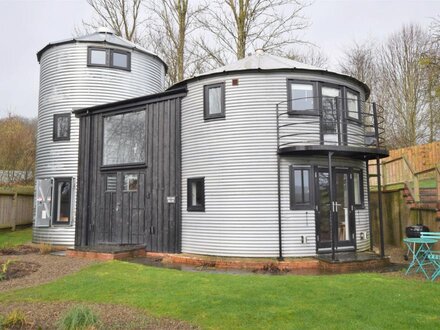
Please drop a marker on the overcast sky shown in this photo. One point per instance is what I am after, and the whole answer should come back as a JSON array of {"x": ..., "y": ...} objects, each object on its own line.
[{"x": 28, "y": 25}]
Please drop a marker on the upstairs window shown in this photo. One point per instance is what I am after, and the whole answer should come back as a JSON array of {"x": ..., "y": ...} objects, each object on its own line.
[
  {"x": 300, "y": 188},
  {"x": 301, "y": 97},
  {"x": 353, "y": 105},
  {"x": 214, "y": 101},
  {"x": 98, "y": 57},
  {"x": 61, "y": 127},
  {"x": 196, "y": 194},
  {"x": 124, "y": 139},
  {"x": 110, "y": 58},
  {"x": 120, "y": 59}
]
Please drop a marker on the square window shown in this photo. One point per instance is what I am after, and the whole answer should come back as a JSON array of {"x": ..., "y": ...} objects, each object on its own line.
[
  {"x": 196, "y": 194},
  {"x": 62, "y": 199},
  {"x": 301, "y": 97},
  {"x": 61, "y": 126},
  {"x": 214, "y": 101},
  {"x": 124, "y": 139},
  {"x": 300, "y": 188},
  {"x": 98, "y": 57},
  {"x": 353, "y": 105},
  {"x": 120, "y": 59},
  {"x": 131, "y": 182}
]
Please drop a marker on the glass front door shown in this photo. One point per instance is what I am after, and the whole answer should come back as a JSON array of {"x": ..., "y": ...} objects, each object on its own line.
[{"x": 334, "y": 209}]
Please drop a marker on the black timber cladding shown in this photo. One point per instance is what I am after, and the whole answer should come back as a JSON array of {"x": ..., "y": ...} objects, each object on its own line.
[{"x": 151, "y": 215}]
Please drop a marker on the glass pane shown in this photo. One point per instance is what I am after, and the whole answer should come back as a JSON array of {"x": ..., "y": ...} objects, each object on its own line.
[
  {"x": 357, "y": 188},
  {"x": 353, "y": 105},
  {"x": 215, "y": 100},
  {"x": 131, "y": 182},
  {"x": 306, "y": 186},
  {"x": 120, "y": 60},
  {"x": 324, "y": 207},
  {"x": 98, "y": 57},
  {"x": 124, "y": 138},
  {"x": 194, "y": 193},
  {"x": 342, "y": 206},
  {"x": 200, "y": 193},
  {"x": 329, "y": 113},
  {"x": 298, "y": 186},
  {"x": 62, "y": 126},
  {"x": 302, "y": 97},
  {"x": 63, "y": 194}
]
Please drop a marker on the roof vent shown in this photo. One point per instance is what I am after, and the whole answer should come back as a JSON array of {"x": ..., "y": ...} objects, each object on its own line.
[
  {"x": 104, "y": 29},
  {"x": 259, "y": 51}
]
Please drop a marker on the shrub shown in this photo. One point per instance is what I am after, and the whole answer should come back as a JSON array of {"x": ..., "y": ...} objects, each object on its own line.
[
  {"x": 15, "y": 319},
  {"x": 4, "y": 269},
  {"x": 45, "y": 248},
  {"x": 79, "y": 318}
]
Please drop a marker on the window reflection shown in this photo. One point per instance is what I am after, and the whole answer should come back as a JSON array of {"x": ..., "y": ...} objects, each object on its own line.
[{"x": 124, "y": 138}]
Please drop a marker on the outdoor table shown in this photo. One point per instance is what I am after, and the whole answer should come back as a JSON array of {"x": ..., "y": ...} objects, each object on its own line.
[{"x": 419, "y": 254}]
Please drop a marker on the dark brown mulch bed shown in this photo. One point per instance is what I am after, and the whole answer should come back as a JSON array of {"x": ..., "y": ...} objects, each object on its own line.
[
  {"x": 17, "y": 269},
  {"x": 19, "y": 250},
  {"x": 47, "y": 315}
]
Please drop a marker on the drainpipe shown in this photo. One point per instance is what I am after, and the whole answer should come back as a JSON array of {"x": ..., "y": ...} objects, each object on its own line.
[
  {"x": 330, "y": 181},
  {"x": 369, "y": 205},
  {"x": 379, "y": 183},
  {"x": 280, "y": 240}
]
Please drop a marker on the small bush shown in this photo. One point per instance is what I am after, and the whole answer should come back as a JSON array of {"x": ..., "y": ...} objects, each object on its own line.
[
  {"x": 4, "y": 270},
  {"x": 45, "y": 248},
  {"x": 79, "y": 318},
  {"x": 15, "y": 319}
]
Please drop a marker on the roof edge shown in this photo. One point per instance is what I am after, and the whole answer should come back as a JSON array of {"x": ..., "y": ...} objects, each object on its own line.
[
  {"x": 323, "y": 72},
  {"x": 128, "y": 103},
  {"x": 74, "y": 40}
]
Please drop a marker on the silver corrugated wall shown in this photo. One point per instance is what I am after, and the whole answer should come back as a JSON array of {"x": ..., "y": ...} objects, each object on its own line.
[
  {"x": 238, "y": 158},
  {"x": 67, "y": 83}
]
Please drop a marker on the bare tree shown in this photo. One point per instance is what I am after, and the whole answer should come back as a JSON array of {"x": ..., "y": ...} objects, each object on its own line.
[
  {"x": 123, "y": 16},
  {"x": 312, "y": 56},
  {"x": 402, "y": 79},
  {"x": 237, "y": 26},
  {"x": 171, "y": 37},
  {"x": 17, "y": 148},
  {"x": 359, "y": 61}
]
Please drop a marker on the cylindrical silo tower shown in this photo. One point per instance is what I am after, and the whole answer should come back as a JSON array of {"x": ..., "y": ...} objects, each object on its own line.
[{"x": 76, "y": 73}]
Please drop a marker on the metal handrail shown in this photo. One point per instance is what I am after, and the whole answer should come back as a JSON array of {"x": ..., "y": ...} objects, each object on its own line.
[{"x": 368, "y": 118}]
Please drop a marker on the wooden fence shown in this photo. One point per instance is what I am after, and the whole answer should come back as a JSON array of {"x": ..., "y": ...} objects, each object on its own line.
[
  {"x": 421, "y": 157},
  {"x": 416, "y": 167},
  {"x": 15, "y": 209}
]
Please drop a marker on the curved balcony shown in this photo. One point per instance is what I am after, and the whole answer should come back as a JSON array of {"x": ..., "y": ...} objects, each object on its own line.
[{"x": 346, "y": 127}]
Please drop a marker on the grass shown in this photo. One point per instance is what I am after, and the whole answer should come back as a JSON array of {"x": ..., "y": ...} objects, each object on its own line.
[
  {"x": 222, "y": 301},
  {"x": 78, "y": 318},
  {"x": 10, "y": 238}
]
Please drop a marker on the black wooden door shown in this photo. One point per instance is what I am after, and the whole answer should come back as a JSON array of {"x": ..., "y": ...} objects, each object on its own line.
[{"x": 123, "y": 219}]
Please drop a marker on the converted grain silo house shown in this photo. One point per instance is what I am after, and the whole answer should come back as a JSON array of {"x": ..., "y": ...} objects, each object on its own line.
[
  {"x": 77, "y": 73},
  {"x": 265, "y": 157}
]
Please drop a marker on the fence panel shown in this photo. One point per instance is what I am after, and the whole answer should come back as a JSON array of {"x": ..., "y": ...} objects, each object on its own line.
[{"x": 15, "y": 209}]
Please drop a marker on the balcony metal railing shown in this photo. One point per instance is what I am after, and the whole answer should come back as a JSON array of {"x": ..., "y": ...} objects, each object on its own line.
[{"x": 330, "y": 123}]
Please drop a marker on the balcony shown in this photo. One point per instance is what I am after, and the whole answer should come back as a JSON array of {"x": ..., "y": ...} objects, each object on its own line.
[{"x": 346, "y": 127}]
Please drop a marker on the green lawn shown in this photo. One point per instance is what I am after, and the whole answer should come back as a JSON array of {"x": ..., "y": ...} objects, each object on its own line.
[
  {"x": 221, "y": 301},
  {"x": 10, "y": 238}
]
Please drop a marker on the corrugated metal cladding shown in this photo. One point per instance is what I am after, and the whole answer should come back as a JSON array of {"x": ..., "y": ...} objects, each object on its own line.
[
  {"x": 67, "y": 83},
  {"x": 237, "y": 156}
]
